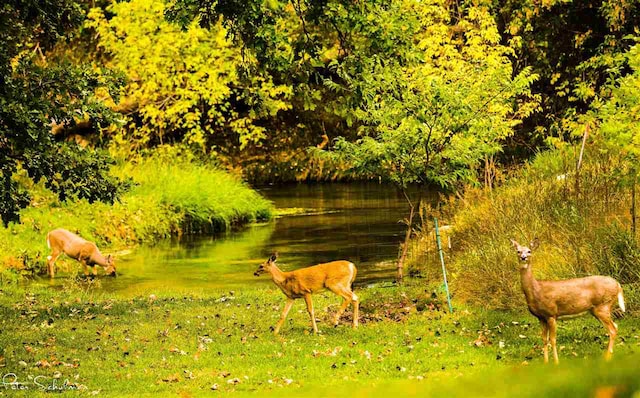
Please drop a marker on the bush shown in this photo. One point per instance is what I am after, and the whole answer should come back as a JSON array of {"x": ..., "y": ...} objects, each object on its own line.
[{"x": 206, "y": 199}]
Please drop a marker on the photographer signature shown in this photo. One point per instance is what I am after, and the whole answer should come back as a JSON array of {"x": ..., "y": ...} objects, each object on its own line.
[{"x": 10, "y": 381}]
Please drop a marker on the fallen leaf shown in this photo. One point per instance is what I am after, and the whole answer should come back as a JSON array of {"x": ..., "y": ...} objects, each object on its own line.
[{"x": 174, "y": 378}]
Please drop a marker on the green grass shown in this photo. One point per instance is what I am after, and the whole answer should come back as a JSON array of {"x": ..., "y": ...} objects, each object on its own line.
[
  {"x": 170, "y": 196},
  {"x": 405, "y": 345},
  {"x": 207, "y": 199}
]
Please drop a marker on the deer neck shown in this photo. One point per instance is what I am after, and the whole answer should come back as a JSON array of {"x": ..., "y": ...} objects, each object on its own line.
[
  {"x": 277, "y": 275},
  {"x": 99, "y": 259},
  {"x": 528, "y": 282}
]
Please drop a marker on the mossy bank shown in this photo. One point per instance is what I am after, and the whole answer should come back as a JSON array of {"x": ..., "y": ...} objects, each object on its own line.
[{"x": 168, "y": 196}]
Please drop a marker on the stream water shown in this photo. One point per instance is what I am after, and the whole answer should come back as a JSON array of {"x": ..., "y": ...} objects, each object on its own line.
[{"x": 358, "y": 222}]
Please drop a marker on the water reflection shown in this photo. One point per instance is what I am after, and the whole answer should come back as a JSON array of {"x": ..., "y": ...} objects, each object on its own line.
[{"x": 357, "y": 222}]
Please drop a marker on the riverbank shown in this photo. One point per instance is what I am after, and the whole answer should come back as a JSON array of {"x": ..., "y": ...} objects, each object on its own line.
[
  {"x": 582, "y": 223},
  {"x": 169, "y": 196},
  {"x": 221, "y": 342}
]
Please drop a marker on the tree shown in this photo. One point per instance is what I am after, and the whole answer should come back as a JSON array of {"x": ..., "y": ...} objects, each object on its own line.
[
  {"x": 437, "y": 103},
  {"x": 184, "y": 85},
  {"x": 36, "y": 92},
  {"x": 619, "y": 122},
  {"x": 577, "y": 48}
]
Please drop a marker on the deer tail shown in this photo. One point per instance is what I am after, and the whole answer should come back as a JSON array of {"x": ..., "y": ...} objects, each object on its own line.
[
  {"x": 48, "y": 242},
  {"x": 620, "y": 298}
]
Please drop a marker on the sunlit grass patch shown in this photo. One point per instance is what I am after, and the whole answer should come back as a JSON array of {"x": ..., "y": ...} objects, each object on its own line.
[{"x": 168, "y": 344}]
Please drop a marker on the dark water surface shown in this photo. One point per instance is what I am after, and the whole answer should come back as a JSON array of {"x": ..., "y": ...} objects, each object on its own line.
[{"x": 356, "y": 222}]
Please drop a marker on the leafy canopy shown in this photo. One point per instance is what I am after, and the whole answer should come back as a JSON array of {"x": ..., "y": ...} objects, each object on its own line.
[
  {"x": 185, "y": 85},
  {"x": 619, "y": 116},
  {"x": 436, "y": 99},
  {"x": 36, "y": 92}
]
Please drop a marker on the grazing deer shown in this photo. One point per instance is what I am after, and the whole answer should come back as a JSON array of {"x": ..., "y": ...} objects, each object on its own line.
[
  {"x": 62, "y": 241},
  {"x": 549, "y": 300},
  {"x": 336, "y": 276}
]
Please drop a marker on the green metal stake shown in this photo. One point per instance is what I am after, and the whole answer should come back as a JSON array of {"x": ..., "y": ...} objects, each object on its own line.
[{"x": 444, "y": 269}]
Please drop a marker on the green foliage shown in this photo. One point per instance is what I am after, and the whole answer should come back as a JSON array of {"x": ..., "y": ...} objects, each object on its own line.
[
  {"x": 77, "y": 173},
  {"x": 34, "y": 93},
  {"x": 618, "y": 116},
  {"x": 577, "y": 48},
  {"x": 207, "y": 199},
  {"x": 436, "y": 99},
  {"x": 184, "y": 85}
]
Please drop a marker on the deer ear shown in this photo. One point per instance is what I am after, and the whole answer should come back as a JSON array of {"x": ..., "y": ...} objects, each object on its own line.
[
  {"x": 273, "y": 257},
  {"x": 514, "y": 243},
  {"x": 534, "y": 243}
]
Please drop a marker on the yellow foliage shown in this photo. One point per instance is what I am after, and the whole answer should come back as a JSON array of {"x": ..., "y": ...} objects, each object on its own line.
[{"x": 182, "y": 81}]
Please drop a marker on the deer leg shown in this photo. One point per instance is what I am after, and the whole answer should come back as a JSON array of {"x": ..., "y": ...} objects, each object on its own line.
[
  {"x": 553, "y": 328},
  {"x": 285, "y": 311},
  {"x": 604, "y": 315},
  {"x": 356, "y": 305},
  {"x": 545, "y": 339},
  {"x": 348, "y": 297},
  {"x": 95, "y": 270},
  {"x": 346, "y": 300},
  {"x": 307, "y": 299},
  {"x": 50, "y": 262},
  {"x": 343, "y": 306}
]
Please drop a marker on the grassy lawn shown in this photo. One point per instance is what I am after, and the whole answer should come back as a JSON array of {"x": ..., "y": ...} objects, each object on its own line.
[{"x": 220, "y": 342}]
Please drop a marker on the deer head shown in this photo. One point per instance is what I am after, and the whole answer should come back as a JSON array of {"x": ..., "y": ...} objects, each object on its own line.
[
  {"x": 524, "y": 252},
  {"x": 266, "y": 266},
  {"x": 110, "y": 268}
]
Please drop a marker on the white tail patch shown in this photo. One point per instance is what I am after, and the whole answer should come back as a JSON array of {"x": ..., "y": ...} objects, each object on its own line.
[
  {"x": 48, "y": 243},
  {"x": 621, "y": 300}
]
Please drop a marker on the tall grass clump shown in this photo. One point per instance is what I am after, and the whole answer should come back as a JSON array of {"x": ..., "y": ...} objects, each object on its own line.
[
  {"x": 581, "y": 219},
  {"x": 208, "y": 200}
]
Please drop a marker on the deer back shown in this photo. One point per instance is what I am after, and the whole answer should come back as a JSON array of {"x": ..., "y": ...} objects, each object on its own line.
[
  {"x": 317, "y": 277},
  {"x": 575, "y": 296},
  {"x": 65, "y": 241}
]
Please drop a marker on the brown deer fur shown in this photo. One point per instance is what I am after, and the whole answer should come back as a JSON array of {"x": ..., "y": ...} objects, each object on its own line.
[
  {"x": 336, "y": 276},
  {"x": 87, "y": 253}
]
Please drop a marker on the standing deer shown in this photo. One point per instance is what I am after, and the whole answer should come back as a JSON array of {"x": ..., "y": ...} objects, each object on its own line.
[
  {"x": 336, "y": 276},
  {"x": 549, "y": 300},
  {"x": 87, "y": 253}
]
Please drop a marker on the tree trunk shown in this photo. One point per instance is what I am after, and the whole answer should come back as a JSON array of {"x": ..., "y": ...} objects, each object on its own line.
[
  {"x": 407, "y": 237},
  {"x": 633, "y": 204}
]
